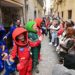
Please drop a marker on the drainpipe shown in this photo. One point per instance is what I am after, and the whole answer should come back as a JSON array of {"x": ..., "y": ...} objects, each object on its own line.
[{"x": 25, "y": 10}]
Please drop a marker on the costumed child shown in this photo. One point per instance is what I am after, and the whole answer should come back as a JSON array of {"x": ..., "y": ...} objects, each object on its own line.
[
  {"x": 9, "y": 66},
  {"x": 31, "y": 26},
  {"x": 4, "y": 54},
  {"x": 39, "y": 32},
  {"x": 53, "y": 30},
  {"x": 8, "y": 36},
  {"x": 3, "y": 48},
  {"x": 21, "y": 48}
]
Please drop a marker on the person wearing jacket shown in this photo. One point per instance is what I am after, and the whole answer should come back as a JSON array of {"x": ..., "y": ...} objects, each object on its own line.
[
  {"x": 21, "y": 48},
  {"x": 8, "y": 36},
  {"x": 3, "y": 48},
  {"x": 33, "y": 36},
  {"x": 53, "y": 30}
]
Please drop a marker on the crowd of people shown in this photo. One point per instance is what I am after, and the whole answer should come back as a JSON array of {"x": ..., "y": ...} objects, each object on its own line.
[
  {"x": 62, "y": 37},
  {"x": 20, "y": 46}
]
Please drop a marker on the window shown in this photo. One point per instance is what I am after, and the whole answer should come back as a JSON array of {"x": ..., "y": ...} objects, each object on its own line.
[
  {"x": 69, "y": 14},
  {"x": 34, "y": 14},
  {"x": 58, "y": 13}
]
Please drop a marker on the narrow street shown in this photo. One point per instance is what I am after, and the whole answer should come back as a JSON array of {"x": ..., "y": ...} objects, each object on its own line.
[
  {"x": 49, "y": 58},
  {"x": 22, "y": 24}
]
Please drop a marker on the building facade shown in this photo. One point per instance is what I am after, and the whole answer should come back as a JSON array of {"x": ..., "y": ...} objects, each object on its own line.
[
  {"x": 25, "y": 10},
  {"x": 34, "y": 8},
  {"x": 11, "y": 10},
  {"x": 65, "y": 9}
]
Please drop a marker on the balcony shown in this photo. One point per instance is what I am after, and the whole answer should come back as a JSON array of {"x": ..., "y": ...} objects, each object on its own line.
[
  {"x": 18, "y": 1},
  {"x": 11, "y": 3}
]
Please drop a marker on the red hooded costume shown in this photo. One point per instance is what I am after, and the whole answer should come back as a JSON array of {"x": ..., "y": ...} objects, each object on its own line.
[
  {"x": 38, "y": 23},
  {"x": 22, "y": 50}
]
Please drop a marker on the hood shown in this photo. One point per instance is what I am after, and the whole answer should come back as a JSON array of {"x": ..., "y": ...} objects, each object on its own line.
[
  {"x": 29, "y": 26},
  {"x": 17, "y": 32},
  {"x": 38, "y": 21}
]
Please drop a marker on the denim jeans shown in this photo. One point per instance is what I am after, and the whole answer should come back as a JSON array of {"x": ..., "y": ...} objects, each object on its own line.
[{"x": 54, "y": 37}]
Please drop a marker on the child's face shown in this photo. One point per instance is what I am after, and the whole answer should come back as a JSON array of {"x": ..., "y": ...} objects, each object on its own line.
[
  {"x": 55, "y": 22},
  {"x": 35, "y": 27},
  {"x": 21, "y": 37}
]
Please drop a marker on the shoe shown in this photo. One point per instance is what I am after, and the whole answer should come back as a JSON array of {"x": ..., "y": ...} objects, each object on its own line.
[
  {"x": 55, "y": 45},
  {"x": 36, "y": 70},
  {"x": 50, "y": 43}
]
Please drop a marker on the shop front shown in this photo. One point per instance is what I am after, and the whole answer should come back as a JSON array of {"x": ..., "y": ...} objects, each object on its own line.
[{"x": 10, "y": 12}]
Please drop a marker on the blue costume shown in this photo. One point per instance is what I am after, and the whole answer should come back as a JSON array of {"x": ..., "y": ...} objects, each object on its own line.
[
  {"x": 9, "y": 36},
  {"x": 12, "y": 28},
  {"x": 10, "y": 67},
  {"x": 2, "y": 43}
]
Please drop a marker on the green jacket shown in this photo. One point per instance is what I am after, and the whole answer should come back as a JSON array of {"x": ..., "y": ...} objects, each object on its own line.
[{"x": 33, "y": 36}]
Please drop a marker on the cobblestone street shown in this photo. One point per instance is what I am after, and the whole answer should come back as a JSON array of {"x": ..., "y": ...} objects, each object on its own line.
[{"x": 49, "y": 58}]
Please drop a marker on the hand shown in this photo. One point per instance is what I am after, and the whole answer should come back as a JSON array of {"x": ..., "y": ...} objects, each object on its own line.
[
  {"x": 5, "y": 56},
  {"x": 20, "y": 66},
  {"x": 5, "y": 37},
  {"x": 41, "y": 38},
  {"x": 11, "y": 59}
]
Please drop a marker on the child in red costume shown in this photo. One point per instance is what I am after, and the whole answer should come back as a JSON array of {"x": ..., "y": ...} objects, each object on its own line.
[
  {"x": 38, "y": 23},
  {"x": 21, "y": 48}
]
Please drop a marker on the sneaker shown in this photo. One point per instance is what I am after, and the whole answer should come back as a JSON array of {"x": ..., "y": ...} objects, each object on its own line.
[
  {"x": 36, "y": 70},
  {"x": 50, "y": 43},
  {"x": 55, "y": 45}
]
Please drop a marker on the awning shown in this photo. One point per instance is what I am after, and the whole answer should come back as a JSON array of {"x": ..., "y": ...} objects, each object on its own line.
[{"x": 10, "y": 3}]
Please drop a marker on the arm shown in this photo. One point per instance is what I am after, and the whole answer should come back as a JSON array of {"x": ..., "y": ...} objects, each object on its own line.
[
  {"x": 33, "y": 44},
  {"x": 52, "y": 27},
  {"x": 56, "y": 28},
  {"x": 13, "y": 52},
  {"x": 10, "y": 31}
]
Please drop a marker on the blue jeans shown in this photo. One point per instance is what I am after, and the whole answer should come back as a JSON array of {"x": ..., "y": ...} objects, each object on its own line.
[{"x": 54, "y": 37}]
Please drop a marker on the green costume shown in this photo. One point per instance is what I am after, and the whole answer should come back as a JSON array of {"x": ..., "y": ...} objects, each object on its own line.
[{"x": 33, "y": 36}]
